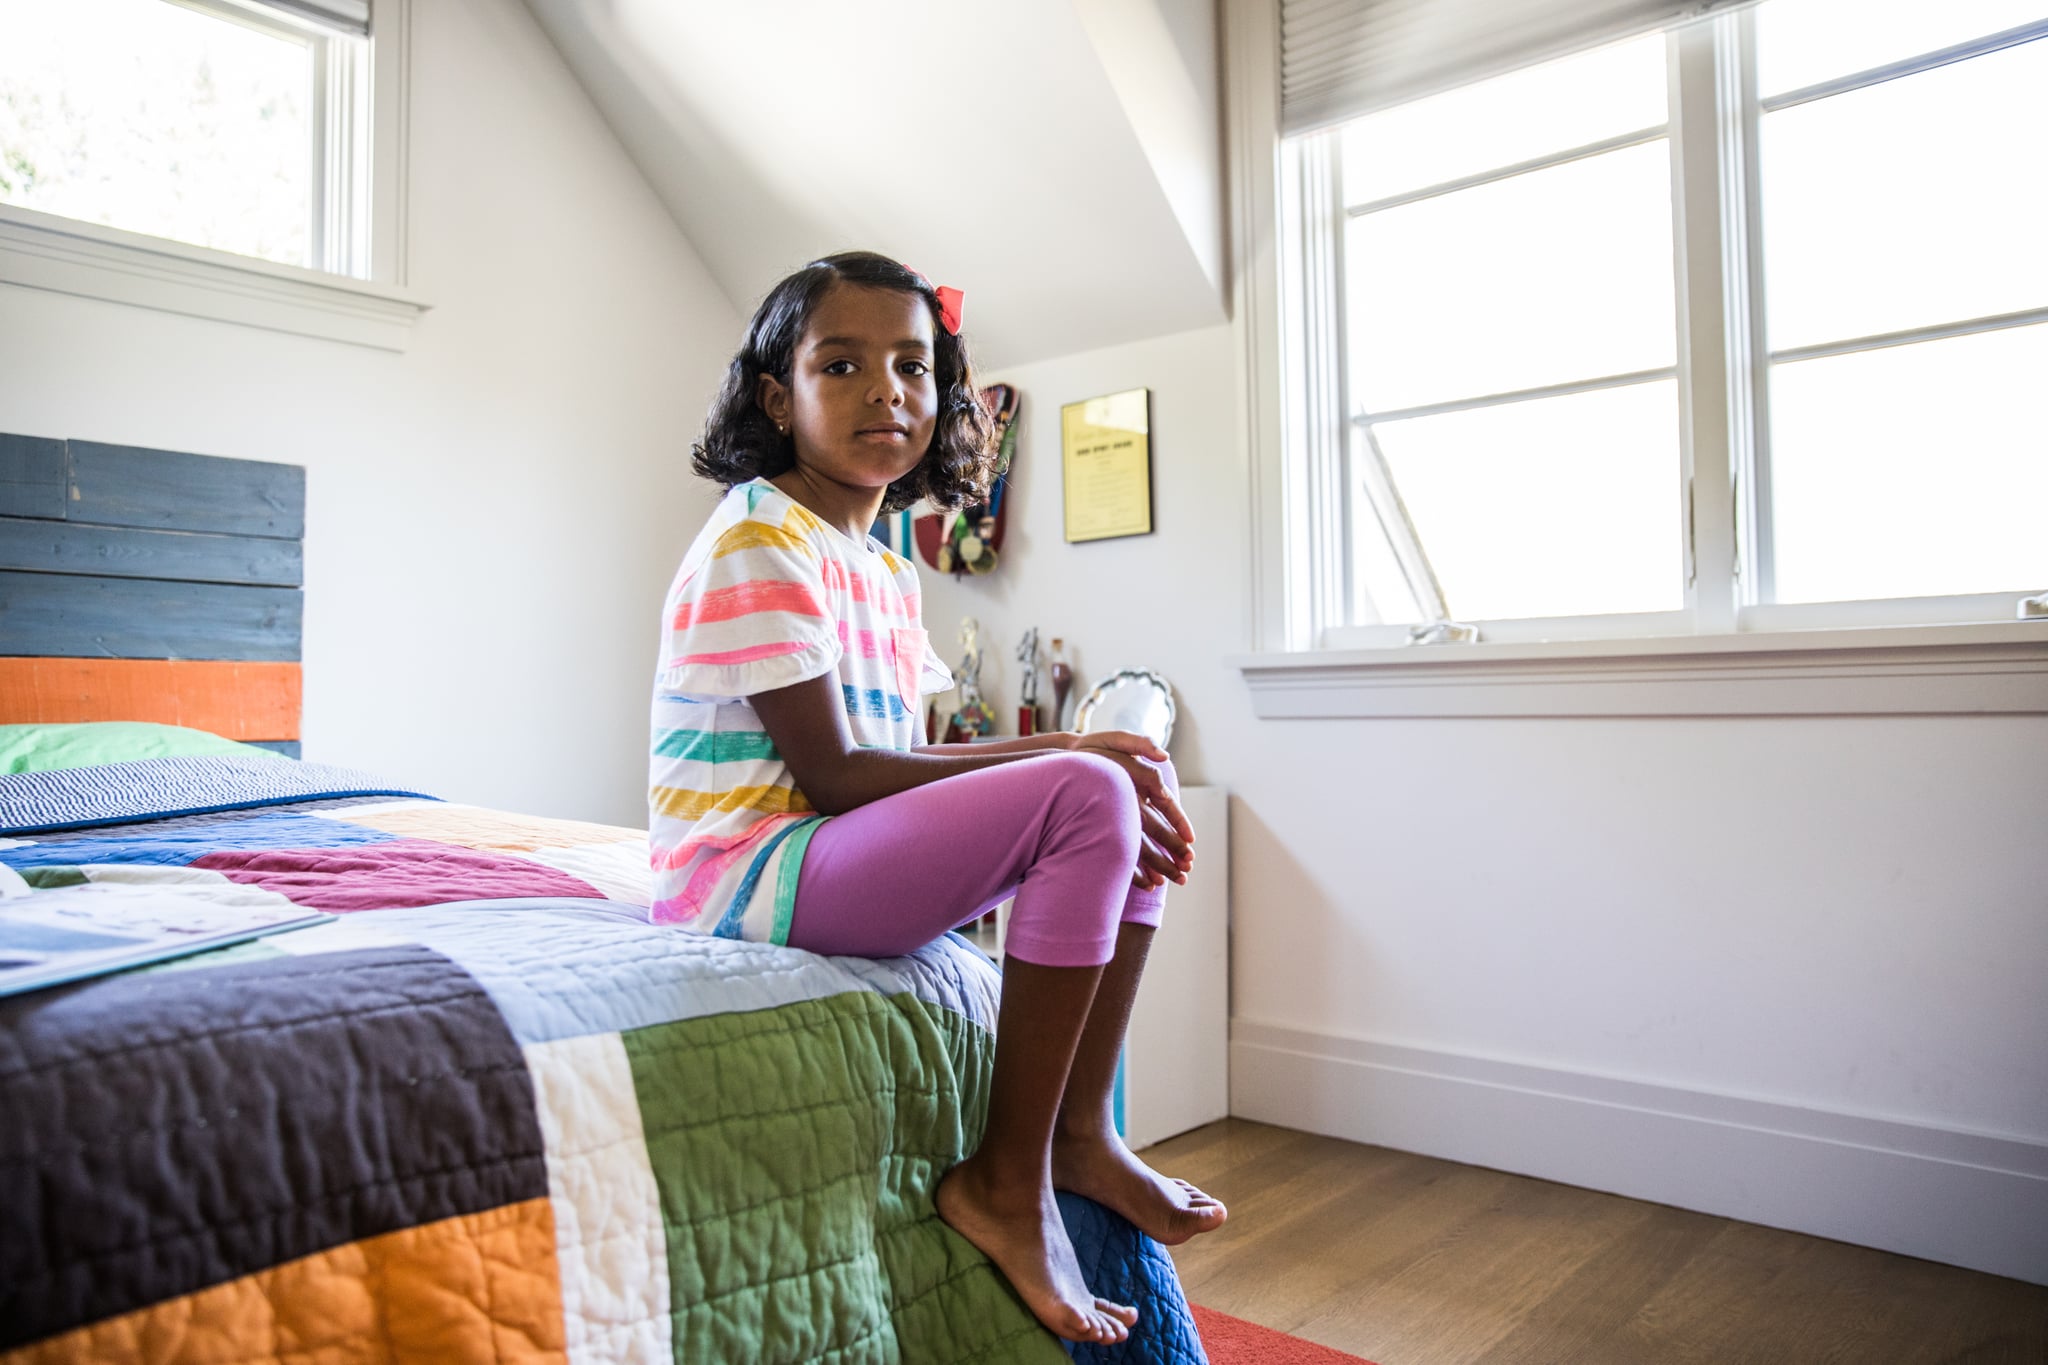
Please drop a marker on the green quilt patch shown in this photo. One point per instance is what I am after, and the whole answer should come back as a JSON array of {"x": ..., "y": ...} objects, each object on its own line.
[
  {"x": 796, "y": 1150},
  {"x": 51, "y": 878}
]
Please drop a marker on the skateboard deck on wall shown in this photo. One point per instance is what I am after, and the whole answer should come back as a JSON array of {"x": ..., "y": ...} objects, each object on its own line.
[{"x": 968, "y": 541}]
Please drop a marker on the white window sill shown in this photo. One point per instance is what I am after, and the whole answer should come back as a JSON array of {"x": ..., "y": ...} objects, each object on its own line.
[
  {"x": 1992, "y": 667},
  {"x": 44, "y": 251}
]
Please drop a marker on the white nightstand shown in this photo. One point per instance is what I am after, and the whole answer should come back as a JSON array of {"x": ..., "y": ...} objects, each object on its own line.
[
  {"x": 1176, "y": 1068},
  {"x": 1176, "y": 1072}
]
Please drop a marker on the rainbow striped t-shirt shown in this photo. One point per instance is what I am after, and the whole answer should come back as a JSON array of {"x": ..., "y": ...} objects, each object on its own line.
[{"x": 768, "y": 596}]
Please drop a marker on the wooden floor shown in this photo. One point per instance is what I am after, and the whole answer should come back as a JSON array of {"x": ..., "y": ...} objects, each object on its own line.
[{"x": 1408, "y": 1260}]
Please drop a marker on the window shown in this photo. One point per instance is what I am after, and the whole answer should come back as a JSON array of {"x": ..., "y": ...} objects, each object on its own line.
[
  {"x": 1740, "y": 325},
  {"x": 1902, "y": 192},
  {"x": 1512, "y": 347},
  {"x": 219, "y": 157},
  {"x": 215, "y": 124}
]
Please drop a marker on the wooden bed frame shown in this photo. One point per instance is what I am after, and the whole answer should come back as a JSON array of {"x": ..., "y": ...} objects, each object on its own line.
[{"x": 150, "y": 585}]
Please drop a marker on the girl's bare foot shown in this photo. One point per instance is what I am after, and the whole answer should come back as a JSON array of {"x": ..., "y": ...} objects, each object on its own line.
[
  {"x": 1020, "y": 1230},
  {"x": 1099, "y": 1166}
]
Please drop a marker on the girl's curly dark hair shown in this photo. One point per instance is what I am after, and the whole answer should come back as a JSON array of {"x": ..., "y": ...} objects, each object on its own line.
[{"x": 740, "y": 443}]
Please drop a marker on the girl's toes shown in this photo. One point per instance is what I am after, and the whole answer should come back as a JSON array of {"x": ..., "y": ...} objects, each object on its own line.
[
  {"x": 1123, "y": 1313},
  {"x": 1200, "y": 1203},
  {"x": 1073, "y": 1324}
]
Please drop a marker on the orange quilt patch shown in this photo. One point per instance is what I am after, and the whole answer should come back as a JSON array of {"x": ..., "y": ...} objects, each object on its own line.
[{"x": 482, "y": 1286}]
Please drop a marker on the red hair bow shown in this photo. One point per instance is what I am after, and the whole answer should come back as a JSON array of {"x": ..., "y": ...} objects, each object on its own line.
[
  {"x": 949, "y": 307},
  {"x": 950, "y": 300}
]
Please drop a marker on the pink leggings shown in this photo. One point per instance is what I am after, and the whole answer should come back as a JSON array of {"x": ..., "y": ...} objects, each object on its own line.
[{"x": 1059, "y": 831}]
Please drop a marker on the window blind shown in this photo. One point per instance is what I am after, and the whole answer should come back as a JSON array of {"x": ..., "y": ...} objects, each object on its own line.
[
  {"x": 343, "y": 16},
  {"x": 1343, "y": 58}
]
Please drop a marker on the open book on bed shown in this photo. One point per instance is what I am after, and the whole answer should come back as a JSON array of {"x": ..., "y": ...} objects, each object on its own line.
[{"x": 75, "y": 928}]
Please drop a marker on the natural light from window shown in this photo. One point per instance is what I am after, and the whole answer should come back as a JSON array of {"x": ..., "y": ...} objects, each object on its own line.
[
  {"x": 1581, "y": 488},
  {"x": 1511, "y": 333},
  {"x": 1913, "y": 471},
  {"x": 160, "y": 119},
  {"x": 1802, "y": 43},
  {"x": 1911, "y": 209},
  {"x": 1921, "y": 200},
  {"x": 1558, "y": 275},
  {"x": 1511, "y": 119},
  {"x": 1488, "y": 253}
]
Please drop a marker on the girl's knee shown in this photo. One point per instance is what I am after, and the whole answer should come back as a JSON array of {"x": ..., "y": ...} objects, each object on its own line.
[
  {"x": 1096, "y": 792},
  {"x": 1088, "y": 774},
  {"x": 1090, "y": 778}
]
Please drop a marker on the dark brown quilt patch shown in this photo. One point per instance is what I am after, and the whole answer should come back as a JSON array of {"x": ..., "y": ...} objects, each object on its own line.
[{"x": 163, "y": 1131}]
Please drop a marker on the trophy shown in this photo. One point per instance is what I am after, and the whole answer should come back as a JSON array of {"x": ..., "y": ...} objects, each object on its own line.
[
  {"x": 1062, "y": 682},
  {"x": 1027, "y": 688}
]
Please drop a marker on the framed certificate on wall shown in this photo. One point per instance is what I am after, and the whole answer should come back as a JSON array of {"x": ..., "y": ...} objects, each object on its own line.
[{"x": 1106, "y": 465}]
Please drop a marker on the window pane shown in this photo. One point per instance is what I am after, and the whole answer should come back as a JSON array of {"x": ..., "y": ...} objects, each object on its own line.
[
  {"x": 1920, "y": 200},
  {"x": 1553, "y": 276},
  {"x": 160, "y": 119},
  {"x": 1380, "y": 586},
  {"x": 1510, "y": 119},
  {"x": 1912, "y": 471},
  {"x": 1804, "y": 42},
  {"x": 1554, "y": 507}
]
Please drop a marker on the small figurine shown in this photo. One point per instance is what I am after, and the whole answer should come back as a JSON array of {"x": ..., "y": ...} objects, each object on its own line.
[
  {"x": 1062, "y": 681},
  {"x": 1027, "y": 686},
  {"x": 974, "y": 716},
  {"x": 970, "y": 658}
]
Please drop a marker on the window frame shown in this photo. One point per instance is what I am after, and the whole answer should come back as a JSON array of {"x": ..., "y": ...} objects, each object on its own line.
[
  {"x": 1984, "y": 654},
  {"x": 1756, "y": 612},
  {"x": 359, "y": 293},
  {"x": 1368, "y": 464}
]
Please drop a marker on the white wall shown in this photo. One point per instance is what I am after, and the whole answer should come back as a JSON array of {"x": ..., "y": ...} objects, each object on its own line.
[
  {"x": 492, "y": 517},
  {"x": 1757, "y": 966}
]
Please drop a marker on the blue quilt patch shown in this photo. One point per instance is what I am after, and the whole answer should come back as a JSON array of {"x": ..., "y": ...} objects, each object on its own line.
[
  {"x": 1123, "y": 1265},
  {"x": 177, "y": 843}
]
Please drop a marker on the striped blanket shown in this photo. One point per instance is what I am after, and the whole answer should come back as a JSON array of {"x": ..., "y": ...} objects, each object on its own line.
[{"x": 490, "y": 1113}]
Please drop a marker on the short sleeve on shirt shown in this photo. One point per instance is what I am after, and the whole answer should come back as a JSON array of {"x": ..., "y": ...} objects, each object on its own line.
[
  {"x": 753, "y": 617},
  {"x": 935, "y": 676}
]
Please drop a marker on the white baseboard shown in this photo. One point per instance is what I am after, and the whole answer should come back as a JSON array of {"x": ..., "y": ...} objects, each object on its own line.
[{"x": 1968, "y": 1199}]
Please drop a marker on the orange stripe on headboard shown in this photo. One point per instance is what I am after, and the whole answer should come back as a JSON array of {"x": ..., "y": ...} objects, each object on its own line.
[{"x": 245, "y": 701}]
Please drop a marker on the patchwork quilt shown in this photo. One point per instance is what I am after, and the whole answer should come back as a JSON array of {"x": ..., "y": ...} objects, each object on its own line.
[{"x": 488, "y": 1112}]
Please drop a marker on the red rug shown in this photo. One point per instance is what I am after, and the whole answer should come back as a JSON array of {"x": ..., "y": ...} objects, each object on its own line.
[{"x": 1233, "y": 1341}]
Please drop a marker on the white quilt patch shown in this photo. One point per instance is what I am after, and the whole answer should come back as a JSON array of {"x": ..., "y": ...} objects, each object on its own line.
[{"x": 609, "y": 1240}]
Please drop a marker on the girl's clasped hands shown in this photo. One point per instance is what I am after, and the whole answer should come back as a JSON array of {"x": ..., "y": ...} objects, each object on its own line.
[{"x": 1167, "y": 853}]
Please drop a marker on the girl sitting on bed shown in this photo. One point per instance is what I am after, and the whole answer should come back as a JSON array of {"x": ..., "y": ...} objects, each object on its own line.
[{"x": 793, "y": 800}]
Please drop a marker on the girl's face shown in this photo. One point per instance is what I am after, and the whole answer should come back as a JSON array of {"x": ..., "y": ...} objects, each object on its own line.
[{"x": 862, "y": 401}]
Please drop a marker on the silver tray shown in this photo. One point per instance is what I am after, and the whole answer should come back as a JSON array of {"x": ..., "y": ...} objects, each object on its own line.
[{"x": 1134, "y": 699}]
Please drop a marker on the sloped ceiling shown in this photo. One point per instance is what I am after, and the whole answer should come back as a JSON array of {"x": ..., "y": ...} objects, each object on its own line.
[{"x": 1059, "y": 160}]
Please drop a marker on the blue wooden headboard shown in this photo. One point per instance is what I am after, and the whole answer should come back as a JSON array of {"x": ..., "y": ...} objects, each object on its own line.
[{"x": 154, "y": 585}]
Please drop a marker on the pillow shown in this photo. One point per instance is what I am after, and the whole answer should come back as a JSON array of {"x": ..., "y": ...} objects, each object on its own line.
[{"x": 45, "y": 748}]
